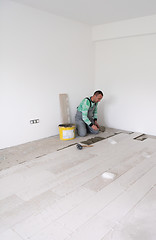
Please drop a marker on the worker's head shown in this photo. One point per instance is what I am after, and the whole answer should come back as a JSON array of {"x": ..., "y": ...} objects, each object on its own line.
[{"x": 98, "y": 95}]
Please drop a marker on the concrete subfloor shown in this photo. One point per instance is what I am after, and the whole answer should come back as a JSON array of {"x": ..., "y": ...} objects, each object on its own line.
[{"x": 104, "y": 192}]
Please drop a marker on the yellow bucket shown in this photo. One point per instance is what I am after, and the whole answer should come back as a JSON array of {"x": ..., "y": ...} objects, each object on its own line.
[{"x": 67, "y": 131}]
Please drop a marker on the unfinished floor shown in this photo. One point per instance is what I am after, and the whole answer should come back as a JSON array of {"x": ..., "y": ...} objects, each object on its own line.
[{"x": 104, "y": 192}]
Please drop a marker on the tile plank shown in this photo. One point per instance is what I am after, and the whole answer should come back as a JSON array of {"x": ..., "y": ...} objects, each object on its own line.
[
  {"x": 93, "y": 206},
  {"x": 139, "y": 223},
  {"x": 116, "y": 210}
]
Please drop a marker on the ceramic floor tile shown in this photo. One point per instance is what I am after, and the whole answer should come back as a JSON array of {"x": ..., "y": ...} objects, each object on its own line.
[
  {"x": 55, "y": 189},
  {"x": 53, "y": 231},
  {"x": 31, "y": 226},
  {"x": 17, "y": 214},
  {"x": 35, "y": 189},
  {"x": 74, "y": 160},
  {"x": 27, "y": 179},
  {"x": 74, "y": 199},
  {"x": 106, "y": 160},
  {"x": 77, "y": 181},
  {"x": 118, "y": 169},
  {"x": 12, "y": 170},
  {"x": 33, "y": 150},
  {"x": 34, "y": 223},
  {"x": 45, "y": 200},
  {"x": 138, "y": 223},
  {"x": 82, "y": 213},
  {"x": 116, "y": 210},
  {"x": 9, "y": 204},
  {"x": 10, "y": 235}
]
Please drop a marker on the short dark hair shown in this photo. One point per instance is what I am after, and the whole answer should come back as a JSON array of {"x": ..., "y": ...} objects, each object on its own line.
[{"x": 98, "y": 92}]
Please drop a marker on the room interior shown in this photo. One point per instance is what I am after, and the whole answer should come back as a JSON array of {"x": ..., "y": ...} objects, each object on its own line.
[{"x": 49, "y": 189}]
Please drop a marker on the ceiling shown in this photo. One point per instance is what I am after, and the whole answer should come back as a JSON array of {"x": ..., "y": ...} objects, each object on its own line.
[{"x": 95, "y": 12}]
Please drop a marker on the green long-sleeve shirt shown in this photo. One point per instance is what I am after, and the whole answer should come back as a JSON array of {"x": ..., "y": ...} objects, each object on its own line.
[{"x": 84, "y": 107}]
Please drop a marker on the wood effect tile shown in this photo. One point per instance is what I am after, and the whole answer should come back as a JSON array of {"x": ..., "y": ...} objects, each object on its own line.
[
  {"x": 97, "y": 183},
  {"x": 10, "y": 235},
  {"x": 116, "y": 210},
  {"x": 9, "y": 203},
  {"x": 138, "y": 223},
  {"x": 93, "y": 206}
]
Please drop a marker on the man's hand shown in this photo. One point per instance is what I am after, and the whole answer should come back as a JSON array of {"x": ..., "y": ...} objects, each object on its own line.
[
  {"x": 95, "y": 127},
  {"x": 96, "y": 124}
]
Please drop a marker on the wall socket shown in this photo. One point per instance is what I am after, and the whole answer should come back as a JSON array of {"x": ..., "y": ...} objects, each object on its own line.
[{"x": 34, "y": 121}]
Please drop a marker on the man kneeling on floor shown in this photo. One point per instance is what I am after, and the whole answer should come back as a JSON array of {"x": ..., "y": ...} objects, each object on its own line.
[{"x": 86, "y": 115}]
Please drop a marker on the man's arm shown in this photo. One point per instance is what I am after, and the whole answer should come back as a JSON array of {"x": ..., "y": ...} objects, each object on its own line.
[
  {"x": 95, "y": 117},
  {"x": 85, "y": 108}
]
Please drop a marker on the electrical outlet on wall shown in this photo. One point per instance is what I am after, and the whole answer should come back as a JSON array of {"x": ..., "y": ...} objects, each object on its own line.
[{"x": 34, "y": 121}]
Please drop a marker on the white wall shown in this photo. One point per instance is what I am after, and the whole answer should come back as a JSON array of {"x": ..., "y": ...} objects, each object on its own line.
[
  {"x": 125, "y": 69},
  {"x": 41, "y": 55}
]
